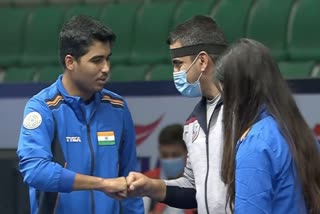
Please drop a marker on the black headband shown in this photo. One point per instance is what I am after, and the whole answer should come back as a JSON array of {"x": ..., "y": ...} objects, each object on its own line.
[{"x": 195, "y": 49}]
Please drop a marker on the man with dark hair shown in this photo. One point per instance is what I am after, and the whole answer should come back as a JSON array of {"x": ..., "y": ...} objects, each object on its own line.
[
  {"x": 194, "y": 47},
  {"x": 77, "y": 141},
  {"x": 172, "y": 151}
]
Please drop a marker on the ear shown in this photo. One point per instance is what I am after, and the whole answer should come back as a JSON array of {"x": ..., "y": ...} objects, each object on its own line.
[
  {"x": 70, "y": 62},
  {"x": 204, "y": 61}
]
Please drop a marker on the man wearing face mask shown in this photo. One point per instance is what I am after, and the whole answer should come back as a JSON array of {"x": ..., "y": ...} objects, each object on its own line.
[
  {"x": 173, "y": 155},
  {"x": 172, "y": 151},
  {"x": 194, "y": 47}
]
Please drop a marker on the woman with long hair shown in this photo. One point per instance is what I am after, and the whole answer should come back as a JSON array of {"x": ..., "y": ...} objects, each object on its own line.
[{"x": 271, "y": 160}]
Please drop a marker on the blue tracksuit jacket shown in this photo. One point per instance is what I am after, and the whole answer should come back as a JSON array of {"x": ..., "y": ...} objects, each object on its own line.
[
  {"x": 61, "y": 135},
  {"x": 266, "y": 177}
]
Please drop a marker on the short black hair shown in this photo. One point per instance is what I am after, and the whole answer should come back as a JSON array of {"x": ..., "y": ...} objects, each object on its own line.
[
  {"x": 78, "y": 34},
  {"x": 171, "y": 134},
  {"x": 199, "y": 29}
]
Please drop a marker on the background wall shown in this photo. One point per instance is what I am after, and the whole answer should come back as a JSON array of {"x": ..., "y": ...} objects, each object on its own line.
[{"x": 153, "y": 106}]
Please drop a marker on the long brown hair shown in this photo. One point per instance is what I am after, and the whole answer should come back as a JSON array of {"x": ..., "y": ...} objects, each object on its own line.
[{"x": 251, "y": 79}]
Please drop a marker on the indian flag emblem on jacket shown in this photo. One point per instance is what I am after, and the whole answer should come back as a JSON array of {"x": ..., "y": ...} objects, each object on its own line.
[{"x": 106, "y": 138}]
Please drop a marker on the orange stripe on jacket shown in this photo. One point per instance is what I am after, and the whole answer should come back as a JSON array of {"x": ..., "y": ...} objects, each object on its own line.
[
  {"x": 54, "y": 101},
  {"x": 105, "y": 97}
]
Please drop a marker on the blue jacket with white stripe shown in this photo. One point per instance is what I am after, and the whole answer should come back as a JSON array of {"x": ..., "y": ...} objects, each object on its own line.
[{"x": 59, "y": 138}]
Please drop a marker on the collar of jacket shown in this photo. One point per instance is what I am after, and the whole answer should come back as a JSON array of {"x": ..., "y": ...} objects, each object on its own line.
[
  {"x": 75, "y": 101},
  {"x": 263, "y": 113},
  {"x": 200, "y": 112}
]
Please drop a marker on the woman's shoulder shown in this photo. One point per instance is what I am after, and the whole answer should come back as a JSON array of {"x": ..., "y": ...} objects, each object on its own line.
[
  {"x": 265, "y": 141},
  {"x": 265, "y": 134}
]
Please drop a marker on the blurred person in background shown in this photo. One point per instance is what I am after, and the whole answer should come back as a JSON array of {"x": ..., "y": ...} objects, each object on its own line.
[{"x": 173, "y": 156}]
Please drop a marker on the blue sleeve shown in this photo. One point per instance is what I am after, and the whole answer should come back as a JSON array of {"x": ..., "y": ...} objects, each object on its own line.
[
  {"x": 253, "y": 179},
  {"x": 128, "y": 162},
  {"x": 34, "y": 151}
]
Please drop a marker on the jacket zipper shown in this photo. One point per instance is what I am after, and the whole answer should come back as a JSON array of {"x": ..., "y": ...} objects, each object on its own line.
[
  {"x": 207, "y": 173},
  {"x": 92, "y": 156},
  {"x": 207, "y": 153},
  {"x": 92, "y": 159},
  {"x": 92, "y": 166}
]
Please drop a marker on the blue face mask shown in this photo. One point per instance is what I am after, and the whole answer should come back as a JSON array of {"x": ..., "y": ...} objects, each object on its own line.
[
  {"x": 173, "y": 167},
  {"x": 182, "y": 84}
]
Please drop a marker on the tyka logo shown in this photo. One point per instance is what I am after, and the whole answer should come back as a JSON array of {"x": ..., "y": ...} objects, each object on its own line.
[{"x": 73, "y": 139}]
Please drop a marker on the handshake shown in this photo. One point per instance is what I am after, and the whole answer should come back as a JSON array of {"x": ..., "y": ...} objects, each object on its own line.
[{"x": 134, "y": 185}]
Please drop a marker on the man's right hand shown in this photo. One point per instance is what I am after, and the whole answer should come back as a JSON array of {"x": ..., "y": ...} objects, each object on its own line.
[{"x": 140, "y": 185}]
